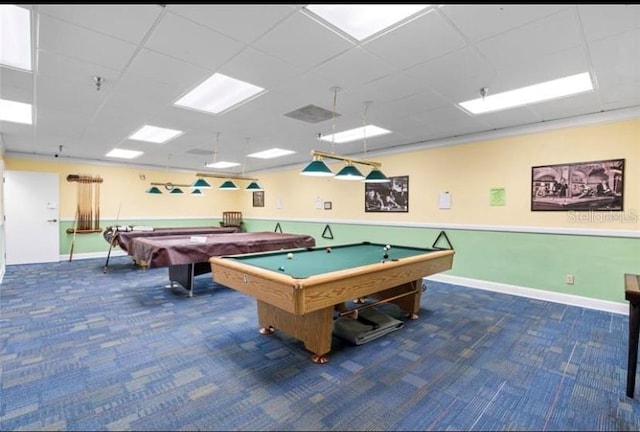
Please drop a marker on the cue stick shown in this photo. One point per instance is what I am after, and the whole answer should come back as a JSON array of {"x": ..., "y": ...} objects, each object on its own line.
[
  {"x": 354, "y": 312},
  {"x": 75, "y": 226},
  {"x": 97, "y": 205},
  {"x": 113, "y": 238},
  {"x": 90, "y": 203},
  {"x": 85, "y": 196}
]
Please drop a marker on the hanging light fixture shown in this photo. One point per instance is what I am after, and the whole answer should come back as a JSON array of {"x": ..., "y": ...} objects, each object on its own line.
[
  {"x": 376, "y": 175},
  {"x": 197, "y": 192},
  {"x": 254, "y": 187},
  {"x": 317, "y": 168},
  {"x": 228, "y": 185},
  {"x": 173, "y": 188},
  {"x": 349, "y": 172},
  {"x": 200, "y": 184}
]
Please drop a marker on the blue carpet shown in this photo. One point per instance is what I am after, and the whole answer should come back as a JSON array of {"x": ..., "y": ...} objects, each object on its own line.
[{"x": 85, "y": 350}]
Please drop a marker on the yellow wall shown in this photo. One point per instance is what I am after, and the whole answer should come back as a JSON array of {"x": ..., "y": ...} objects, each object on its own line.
[
  {"x": 468, "y": 172},
  {"x": 123, "y": 191}
]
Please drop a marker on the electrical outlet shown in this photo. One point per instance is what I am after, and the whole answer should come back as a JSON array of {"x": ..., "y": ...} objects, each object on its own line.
[{"x": 568, "y": 279}]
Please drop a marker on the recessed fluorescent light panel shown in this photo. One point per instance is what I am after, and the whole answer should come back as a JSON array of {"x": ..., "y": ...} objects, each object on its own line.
[
  {"x": 218, "y": 93},
  {"x": 123, "y": 154},
  {"x": 271, "y": 153},
  {"x": 221, "y": 164},
  {"x": 367, "y": 131},
  {"x": 15, "y": 37},
  {"x": 554, "y": 89},
  {"x": 154, "y": 134},
  {"x": 363, "y": 20},
  {"x": 17, "y": 112}
]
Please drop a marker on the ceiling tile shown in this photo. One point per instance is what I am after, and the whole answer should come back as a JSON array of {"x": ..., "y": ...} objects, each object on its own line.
[
  {"x": 82, "y": 44},
  {"x": 133, "y": 21},
  {"x": 601, "y": 21},
  {"x": 482, "y": 21},
  {"x": 424, "y": 38},
  {"x": 555, "y": 33},
  {"x": 193, "y": 43},
  {"x": 244, "y": 23},
  {"x": 301, "y": 41}
]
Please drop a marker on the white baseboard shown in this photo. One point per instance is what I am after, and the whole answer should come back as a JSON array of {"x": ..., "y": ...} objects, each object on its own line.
[
  {"x": 568, "y": 299},
  {"x": 92, "y": 255}
]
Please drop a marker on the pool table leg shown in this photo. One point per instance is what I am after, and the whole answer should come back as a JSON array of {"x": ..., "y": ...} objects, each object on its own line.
[
  {"x": 315, "y": 329},
  {"x": 409, "y": 303}
]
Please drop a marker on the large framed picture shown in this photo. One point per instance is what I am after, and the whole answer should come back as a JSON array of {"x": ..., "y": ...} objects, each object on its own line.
[
  {"x": 392, "y": 196},
  {"x": 579, "y": 186}
]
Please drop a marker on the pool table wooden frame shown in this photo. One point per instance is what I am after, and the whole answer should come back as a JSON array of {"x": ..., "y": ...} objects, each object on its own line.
[{"x": 304, "y": 308}]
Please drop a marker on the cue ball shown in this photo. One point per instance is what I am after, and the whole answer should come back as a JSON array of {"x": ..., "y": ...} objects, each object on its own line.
[
  {"x": 388, "y": 247},
  {"x": 289, "y": 255},
  {"x": 328, "y": 250},
  {"x": 281, "y": 268}
]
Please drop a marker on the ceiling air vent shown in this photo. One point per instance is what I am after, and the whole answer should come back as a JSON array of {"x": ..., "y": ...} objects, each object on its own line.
[
  {"x": 199, "y": 152},
  {"x": 311, "y": 114}
]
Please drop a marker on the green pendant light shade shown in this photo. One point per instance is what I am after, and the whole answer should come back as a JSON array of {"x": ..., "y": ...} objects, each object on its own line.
[
  {"x": 349, "y": 172},
  {"x": 376, "y": 176},
  {"x": 254, "y": 186},
  {"x": 201, "y": 183},
  {"x": 153, "y": 190},
  {"x": 317, "y": 168},
  {"x": 228, "y": 185},
  {"x": 176, "y": 190},
  {"x": 197, "y": 192}
]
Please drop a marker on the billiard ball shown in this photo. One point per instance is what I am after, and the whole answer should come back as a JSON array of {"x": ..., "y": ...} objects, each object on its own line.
[
  {"x": 289, "y": 255},
  {"x": 385, "y": 256},
  {"x": 328, "y": 250},
  {"x": 388, "y": 247},
  {"x": 281, "y": 268}
]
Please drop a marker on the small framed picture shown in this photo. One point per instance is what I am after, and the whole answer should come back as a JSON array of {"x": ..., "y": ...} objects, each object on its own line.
[
  {"x": 327, "y": 205},
  {"x": 258, "y": 199}
]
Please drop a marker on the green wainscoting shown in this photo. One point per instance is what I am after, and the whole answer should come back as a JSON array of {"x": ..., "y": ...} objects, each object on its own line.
[{"x": 531, "y": 260}]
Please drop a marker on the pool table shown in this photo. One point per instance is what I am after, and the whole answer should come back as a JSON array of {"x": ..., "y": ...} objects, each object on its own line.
[
  {"x": 188, "y": 256},
  {"x": 123, "y": 238},
  {"x": 299, "y": 294}
]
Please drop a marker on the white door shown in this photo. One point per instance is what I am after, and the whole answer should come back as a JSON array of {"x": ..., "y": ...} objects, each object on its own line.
[{"x": 32, "y": 233}]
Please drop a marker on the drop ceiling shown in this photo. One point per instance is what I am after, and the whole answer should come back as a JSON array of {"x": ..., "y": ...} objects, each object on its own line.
[{"x": 408, "y": 80}]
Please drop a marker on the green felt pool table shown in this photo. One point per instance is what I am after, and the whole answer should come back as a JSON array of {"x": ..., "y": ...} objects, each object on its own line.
[{"x": 298, "y": 294}]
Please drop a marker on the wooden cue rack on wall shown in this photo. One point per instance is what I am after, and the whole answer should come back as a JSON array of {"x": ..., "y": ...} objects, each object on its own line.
[{"x": 87, "y": 219}]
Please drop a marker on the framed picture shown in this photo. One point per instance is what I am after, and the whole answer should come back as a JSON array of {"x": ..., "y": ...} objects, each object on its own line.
[
  {"x": 258, "y": 199},
  {"x": 327, "y": 205},
  {"x": 392, "y": 196},
  {"x": 578, "y": 186}
]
